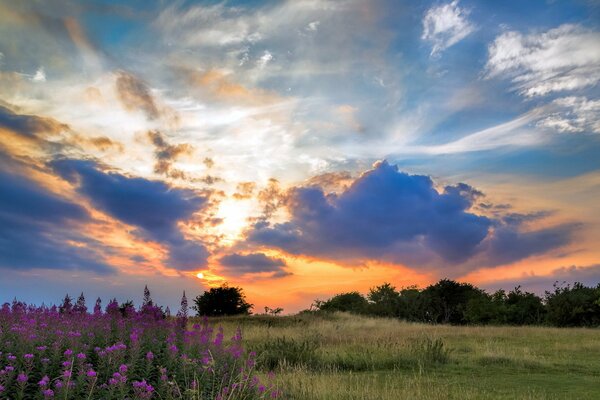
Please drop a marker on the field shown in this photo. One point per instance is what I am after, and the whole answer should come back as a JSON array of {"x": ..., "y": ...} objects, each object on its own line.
[{"x": 343, "y": 356}]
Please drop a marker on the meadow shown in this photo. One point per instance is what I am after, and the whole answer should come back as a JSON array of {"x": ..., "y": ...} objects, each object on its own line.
[{"x": 344, "y": 356}]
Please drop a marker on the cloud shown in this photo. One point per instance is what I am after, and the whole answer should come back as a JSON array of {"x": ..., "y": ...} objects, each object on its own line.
[
  {"x": 561, "y": 59},
  {"x": 241, "y": 264},
  {"x": 390, "y": 215},
  {"x": 39, "y": 229},
  {"x": 31, "y": 126},
  {"x": 573, "y": 115},
  {"x": 153, "y": 206},
  {"x": 589, "y": 275},
  {"x": 135, "y": 95},
  {"x": 446, "y": 25},
  {"x": 166, "y": 153}
]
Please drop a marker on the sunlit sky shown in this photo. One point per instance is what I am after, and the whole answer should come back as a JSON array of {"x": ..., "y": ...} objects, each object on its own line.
[{"x": 298, "y": 148}]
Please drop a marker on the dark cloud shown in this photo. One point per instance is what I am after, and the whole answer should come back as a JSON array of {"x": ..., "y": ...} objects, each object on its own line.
[
  {"x": 152, "y": 206},
  {"x": 588, "y": 275},
  {"x": 166, "y": 153},
  {"x": 240, "y": 264},
  {"x": 31, "y": 126},
  {"x": 38, "y": 229},
  {"x": 135, "y": 95},
  {"x": 390, "y": 215}
]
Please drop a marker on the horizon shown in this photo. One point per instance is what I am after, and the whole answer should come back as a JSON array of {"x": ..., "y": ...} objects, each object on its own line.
[{"x": 296, "y": 149}]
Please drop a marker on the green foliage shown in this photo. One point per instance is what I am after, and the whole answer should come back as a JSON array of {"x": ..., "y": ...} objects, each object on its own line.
[
  {"x": 451, "y": 302},
  {"x": 573, "y": 306},
  {"x": 384, "y": 301},
  {"x": 353, "y": 302},
  {"x": 223, "y": 300}
]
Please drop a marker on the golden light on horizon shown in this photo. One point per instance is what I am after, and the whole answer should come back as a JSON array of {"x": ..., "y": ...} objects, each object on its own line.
[{"x": 200, "y": 275}]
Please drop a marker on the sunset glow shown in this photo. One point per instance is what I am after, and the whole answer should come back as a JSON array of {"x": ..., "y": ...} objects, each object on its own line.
[{"x": 296, "y": 149}]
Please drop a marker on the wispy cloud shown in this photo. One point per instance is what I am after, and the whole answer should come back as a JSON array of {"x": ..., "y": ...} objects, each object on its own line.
[
  {"x": 573, "y": 115},
  {"x": 446, "y": 25},
  {"x": 561, "y": 59}
]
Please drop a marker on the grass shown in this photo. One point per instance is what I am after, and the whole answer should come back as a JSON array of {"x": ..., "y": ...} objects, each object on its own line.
[{"x": 342, "y": 356}]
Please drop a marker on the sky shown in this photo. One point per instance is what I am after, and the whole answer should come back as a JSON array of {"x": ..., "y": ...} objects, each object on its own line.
[{"x": 296, "y": 149}]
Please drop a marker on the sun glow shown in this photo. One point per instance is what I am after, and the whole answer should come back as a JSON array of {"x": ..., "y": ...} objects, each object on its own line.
[
  {"x": 234, "y": 214},
  {"x": 200, "y": 275}
]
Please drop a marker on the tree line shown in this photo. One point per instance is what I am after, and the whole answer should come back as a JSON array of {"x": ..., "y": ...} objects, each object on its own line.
[{"x": 451, "y": 302}]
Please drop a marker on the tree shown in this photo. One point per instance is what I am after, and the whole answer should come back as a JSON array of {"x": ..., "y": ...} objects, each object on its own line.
[
  {"x": 384, "y": 300},
  {"x": 578, "y": 305},
  {"x": 447, "y": 300},
  {"x": 222, "y": 300},
  {"x": 353, "y": 302},
  {"x": 523, "y": 308}
]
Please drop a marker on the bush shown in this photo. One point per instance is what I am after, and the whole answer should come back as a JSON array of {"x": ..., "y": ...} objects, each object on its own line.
[{"x": 221, "y": 301}]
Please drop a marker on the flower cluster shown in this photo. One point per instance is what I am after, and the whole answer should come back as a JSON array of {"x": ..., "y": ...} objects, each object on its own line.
[{"x": 67, "y": 353}]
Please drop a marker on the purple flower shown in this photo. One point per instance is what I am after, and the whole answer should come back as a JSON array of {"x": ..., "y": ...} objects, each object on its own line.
[
  {"x": 44, "y": 381},
  {"x": 123, "y": 369},
  {"x": 91, "y": 373},
  {"x": 28, "y": 356},
  {"x": 68, "y": 353},
  {"x": 149, "y": 356},
  {"x": 48, "y": 393},
  {"x": 81, "y": 356},
  {"x": 22, "y": 378}
]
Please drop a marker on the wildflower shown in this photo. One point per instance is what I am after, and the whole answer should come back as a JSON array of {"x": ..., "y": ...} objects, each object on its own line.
[
  {"x": 22, "y": 378},
  {"x": 48, "y": 393},
  {"x": 81, "y": 356},
  {"x": 149, "y": 356},
  {"x": 41, "y": 348},
  {"x": 123, "y": 369},
  {"x": 68, "y": 353},
  {"x": 91, "y": 373},
  {"x": 28, "y": 356},
  {"x": 44, "y": 381}
]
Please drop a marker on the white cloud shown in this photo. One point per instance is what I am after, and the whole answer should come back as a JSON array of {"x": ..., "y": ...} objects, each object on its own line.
[
  {"x": 573, "y": 115},
  {"x": 39, "y": 76},
  {"x": 446, "y": 25},
  {"x": 313, "y": 26},
  {"x": 561, "y": 59},
  {"x": 264, "y": 59}
]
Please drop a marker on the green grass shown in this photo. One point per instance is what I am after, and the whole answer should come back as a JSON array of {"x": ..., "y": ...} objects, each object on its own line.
[{"x": 343, "y": 356}]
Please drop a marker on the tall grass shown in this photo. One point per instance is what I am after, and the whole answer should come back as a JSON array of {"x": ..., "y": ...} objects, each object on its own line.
[{"x": 343, "y": 356}]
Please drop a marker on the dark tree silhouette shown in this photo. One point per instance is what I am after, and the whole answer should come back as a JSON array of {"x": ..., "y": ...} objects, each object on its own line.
[{"x": 223, "y": 300}]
